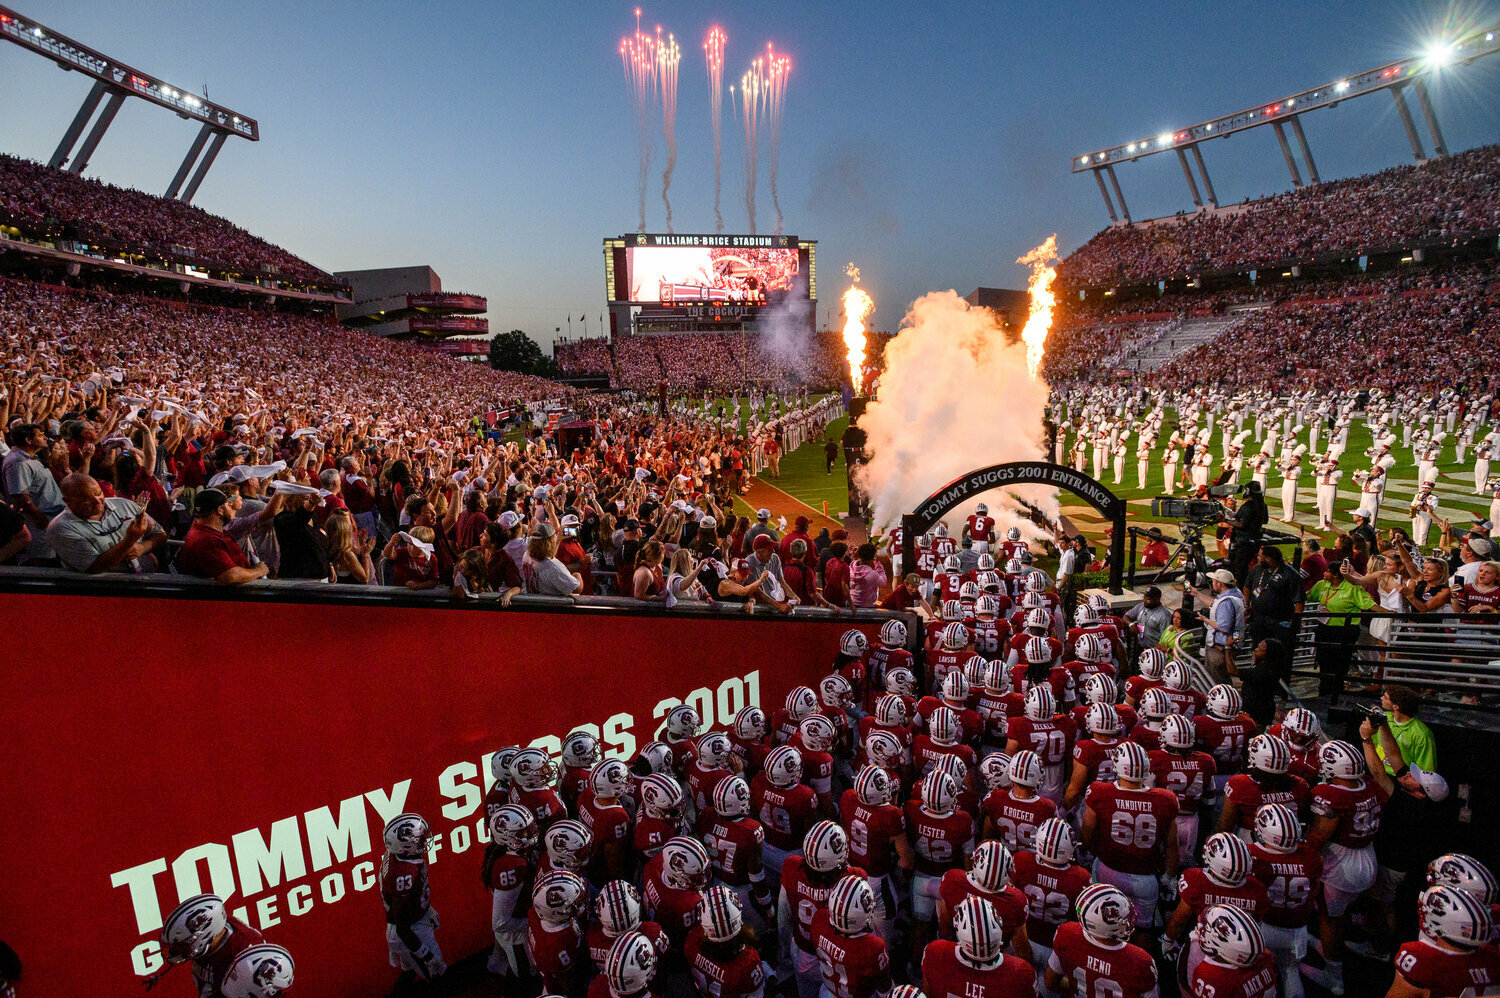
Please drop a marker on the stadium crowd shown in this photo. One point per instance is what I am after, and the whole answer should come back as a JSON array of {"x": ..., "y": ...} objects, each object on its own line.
[
  {"x": 43, "y": 202},
  {"x": 718, "y": 362},
  {"x": 1436, "y": 200}
]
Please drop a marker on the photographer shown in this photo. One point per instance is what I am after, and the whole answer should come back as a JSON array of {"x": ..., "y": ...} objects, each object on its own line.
[
  {"x": 1245, "y": 530},
  {"x": 1274, "y": 591}
]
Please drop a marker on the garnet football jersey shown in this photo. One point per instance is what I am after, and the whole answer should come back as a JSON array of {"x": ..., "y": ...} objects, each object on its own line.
[
  {"x": 946, "y": 976},
  {"x": 1199, "y": 890},
  {"x": 736, "y": 978},
  {"x": 701, "y": 783},
  {"x": 675, "y": 909},
  {"x": 805, "y": 898},
  {"x": 1060, "y": 679},
  {"x": 1050, "y": 893},
  {"x": 785, "y": 814},
  {"x": 991, "y": 637},
  {"x": 872, "y": 832},
  {"x": 941, "y": 841},
  {"x": 1357, "y": 809},
  {"x": 1015, "y": 819},
  {"x": 1214, "y": 980},
  {"x": 1444, "y": 972},
  {"x": 558, "y": 954},
  {"x": 598, "y": 942},
  {"x": 1128, "y": 716},
  {"x": 404, "y": 889},
  {"x": 1097, "y": 759},
  {"x": 734, "y": 846},
  {"x": 1189, "y": 775},
  {"x": 1226, "y": 741},
  {"x": 1290, "y": 879},
  {"x": 1009, "y": 902},
  {"x": 996, "y": 710},
  {"x": 1251, "y": 790},
  {"x": 1132, "y": 826},
  {"x": 853, "y": 966},
  {"x": 208, "y": 973},
  {"x": 1118, "y": 972},
  {"x": 1051, "y": 740}
]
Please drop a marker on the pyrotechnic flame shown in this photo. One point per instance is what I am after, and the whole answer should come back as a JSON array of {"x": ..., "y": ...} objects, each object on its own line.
[
  {"x": 713, "y": 53},
  {"x": 668, "y": 55},
  {"x": 857, "y": 305},
  {"x": 763, "y": 100},
  {"x": 1039, "y": 321},
  {"x": 638, "y": 56}
]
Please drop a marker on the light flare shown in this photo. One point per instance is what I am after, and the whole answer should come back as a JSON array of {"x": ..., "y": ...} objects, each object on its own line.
[
  {"x": 857, "y": 305},
  {"x": 638, "y": 57},
  {"x": 713, "y": 54},
  {"x": 1042, "y": 262}
]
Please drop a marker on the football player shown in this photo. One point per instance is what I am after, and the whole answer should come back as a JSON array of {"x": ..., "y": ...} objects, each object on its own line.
[
  {"x": 815, "y": 740},
  {"x": 987, "y": 877},
  {"x": 940, "y": 740},
  {"x": 1177, "y": 684},
  {"x": 980, "y": 526},
  {"x": 630, "y": 967},
  {"x": 617, "y": 911},
  {"x": 1224, "y": 732},
  {"x": 1043, "y": 668},
  {"x": 998, "y": 703},
  {"x": 1094, "y": 955},
  {"x": 531, "y": 777},
  {"x": 889, "y": 654},
  {"x": 1150, "y": 664},
  {"x": 806, "y": 883},
  {"x": 952, "y": 654},
  {"x": 661, "y": 816},
  {"x": 1265, "y": 781},
  {"x": 260, "y": 971},
  {"x": 1155, "y": 708},
  {"x": 410, "y": 922},
  {"x": 734, "y": 841},
  {"x": 1100, "y": 688},
  {"x": 785, "y": 807},
  {"x": 1093, "y": 757},
  {"x": 1132, "y": 830},
  {"x": 1015, "y": 813},
  {"x": 602, "y": 811},
  {"x": 498, "y": 795},
  {"x": 1224, "y": 878},
  {"x": 953, "y": 695},
  {"x": 991, "y": 631},
  {"x": 1038, "y": 625},
  {"x": 1235, "y": 961},
  {"x": 672, "y": 888},
  {"x": 720, "y": 952},
  {"x": 1290, "y": 869},
  {"x": 580, "y": 751},
  {"x": 1451, "y": 955},
  {"x": 507, "y": 872},
  {"x": 1301, "y": 732},
  {"x": 707, "y": 768},
  {"x": 800, "y": 702},
  {"x": 1052, "y": 883},
  {"x": 201, "y": 930},
  {"x": 976, "y": 963},
  {"x": 942, "y": 836},
  {"x": 749, "y": 741},
  {"x": 554, "y": 935},
  {"x": 1042, "y": 730},
  {"x": 1189, "y": 774},
  {"x": 680, "y": 734},
  {"x": 854, "y": 961},
  {"x": 877, "y": 840},
  {"x": 567, "y": 845}
]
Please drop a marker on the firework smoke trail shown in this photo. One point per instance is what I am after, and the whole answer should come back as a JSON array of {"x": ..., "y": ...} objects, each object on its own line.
[
  {"x": 778, "y": 69},
  {"x": 752, "y": 90},
  {"x": 1041, "y": 260},
  {"x": 638, "y": 57},
  {"x": 713, "y": 53},
  {"x": 668, "y": 55}
]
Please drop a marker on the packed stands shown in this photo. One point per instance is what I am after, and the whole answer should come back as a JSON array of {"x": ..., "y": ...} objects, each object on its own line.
[
  {"x": 43, "y": 203},
  {"x": 719, "y": 362},
  {"x": 1440, "y": 199}
]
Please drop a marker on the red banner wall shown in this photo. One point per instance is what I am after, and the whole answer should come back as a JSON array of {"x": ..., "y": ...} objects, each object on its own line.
[{"x": 158, "y": 748}]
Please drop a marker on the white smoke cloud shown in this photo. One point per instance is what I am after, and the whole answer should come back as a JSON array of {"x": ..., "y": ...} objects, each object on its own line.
[
  {"x": 786, "y": 330},
  {"x": 954, "y": 396}
]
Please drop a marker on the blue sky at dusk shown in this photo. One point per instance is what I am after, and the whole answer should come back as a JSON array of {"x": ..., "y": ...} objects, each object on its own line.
[{"x": 927, "y": 142}]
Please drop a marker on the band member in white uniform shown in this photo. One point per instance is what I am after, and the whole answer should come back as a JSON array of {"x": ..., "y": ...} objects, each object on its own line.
[
  {"x": 1169, "y": 460},
  {"x": 1328, "y": 488},
  {"x": 1260, "y": 467},
  {"x": 1482, "y": 455},
  {"x": 1290, "y": 472},
  {"x": 1423, "y": 506}
]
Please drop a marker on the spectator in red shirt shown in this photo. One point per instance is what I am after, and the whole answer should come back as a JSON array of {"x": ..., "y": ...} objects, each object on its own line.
[
  {"x": 208, "y": 553},
  {"x": 836, "y": 575},
  {"x": 906, "y": 595},
  {"x": 797, "y": 533},
  {"x": 472, "y": 521},
  {"x": 1314, "y": 565}
]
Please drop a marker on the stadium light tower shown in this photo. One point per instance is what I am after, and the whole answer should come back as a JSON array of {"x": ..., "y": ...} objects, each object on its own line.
[
  {"x": 117, "y": 81},
  {"x": 1287, "y": 112}
]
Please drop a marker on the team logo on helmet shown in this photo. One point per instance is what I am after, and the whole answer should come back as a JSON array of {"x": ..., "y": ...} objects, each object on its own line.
[
  {"x": 783, "y": 766},
  {"x": 580, "y": 750},
  {"x": 1040, "y": 704},
  {"x": 890, "y": 710},
  {"x": 1155, "y": 705},
  {"x": 826, "y": 847},
  {"x": 1099, "y": 688},
  {"x": 1106, "y": 914},
  {"x": 714, "y": 750},
  {"x": 532, "y": 769},
  {"x": 683, "y": 722},
  {"x": 1277, "y": 828},
  {"x": 1269, "y": 754},
  {"x": 514, "y": 827},
  {"x": 1464, "y": 873},
  {"x": 955, "y": 637},
  {"x": 836, "y": 692},
  {"x": 883, "y": 748},
  {"x": 873, "y": 786},
  {"x": 192, "y": 927},
  {"x": 900, "y": 680},
  {"x": 1152, "y": 662},
  {"x": 994, "y": 771},
  {"x": 1301, "y": 725},
  {"x": 1226, "y": 859},
  {"x": 731, "y": 798},
  {"x": 1229, "y": 936},
  {"x": 1454, "y": 916},
  {"x": 630, "y": 964},
  {"x": 685, "y": 863},
  {"x": 1224, "y": 702},
  {"x": 851, "y": 906},
  {"x": 568, "y": 844},
  {"x": 1132, "y": 765},
  {"x": 406, "y": 836},
  {"x": 559, "y": 896},
  {"x": 817, "y": 733},
  {"x": 1054, "y": 842},
  {"x": 1175, "y": 675},
  {"x": 261, "y": 971},
  {"x": 750, "y": 724},
  {"x": 661, "y": 797},
  {"x": 1177, "y": 732},
  {"x": 853, "y": 643},
  {"x": 893, "y": 634},
  {"x": 800, "y": 702},
  {"x": 1341, "y": 761}
]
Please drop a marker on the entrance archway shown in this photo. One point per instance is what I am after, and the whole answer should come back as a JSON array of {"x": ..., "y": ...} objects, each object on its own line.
[{"x": 998, "y": 476}]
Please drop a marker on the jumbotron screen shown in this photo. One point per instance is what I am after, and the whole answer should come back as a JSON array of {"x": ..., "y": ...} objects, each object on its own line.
[{"x": 697, "y": 270}]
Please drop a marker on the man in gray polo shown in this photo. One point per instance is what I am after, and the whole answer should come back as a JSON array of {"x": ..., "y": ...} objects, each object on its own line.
[
  {"x": 94, "y": 534},
  {"x": 1225, "y": 625},
  {"x": 31, "y": 488}
]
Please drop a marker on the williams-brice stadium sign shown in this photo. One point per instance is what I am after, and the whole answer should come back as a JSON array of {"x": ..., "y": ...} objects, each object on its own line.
[
  {"x": 711, "y": 241},
  {"x": 970, "y": 486}
]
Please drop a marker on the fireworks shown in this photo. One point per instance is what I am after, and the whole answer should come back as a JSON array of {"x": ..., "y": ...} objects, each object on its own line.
[
  {"x": 857, "y": 305},
  {"x": 639, "y": 59},
  {"x": 763, "y": 102},
  {"x": 1041, "y": 261},
  {"x": 713, "y": 53},
  {"x": 667, "y": 57}
]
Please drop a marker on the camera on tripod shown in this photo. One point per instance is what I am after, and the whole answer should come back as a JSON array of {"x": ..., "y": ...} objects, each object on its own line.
[{"x": 1198, "y": 512}]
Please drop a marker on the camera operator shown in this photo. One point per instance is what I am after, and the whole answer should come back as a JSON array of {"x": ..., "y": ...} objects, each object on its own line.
[{"x": 1245, "y": 530}]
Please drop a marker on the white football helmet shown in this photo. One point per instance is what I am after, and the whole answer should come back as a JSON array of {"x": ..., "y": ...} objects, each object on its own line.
[
  {"x": 1102, "y": 719},
  {"x": 260, "y": 971},
  {"x": 994, "y": 771},
  {"x": 1099, "y": 688},
  {"x": 1092, "y": 648},
  {"x": 851, "y": 906},
  {"x": 532, "y": 769},
  {"x": 955, "y": 636},
  {"x": 190, "y": 930},
  {"x": 883, "y": 748},
  {"x": 580, "y": 750},
  {"x": 618, "y": 907},
  {"x": 731, "y": 798},
  {"x": 990, "y": 866},
  {"x": 1151, "y": 663},
  {"x": 783, "y": 766},
  {"x": 1013, "y": 566},
  {"x": 1176, "y": 677},
  {"x": 951, "y": 610},
  {"x": 1106, "y": 915},
  {"x": 1155, "y": 704},
  {"x": 941, "y": 530},
  {"x": 1177, "y": 732},
  {"x": 1132, "y": 765},
  {"x": 939, "y": 792},
  {"x": 1229, "y": 936},
  {"x": 1026, "y": 769},
  {"x": 714, "y": 750},
  {"x": 901, "y": 681},
  {"x": 514, "y": 828},
  {"x": 406, "y": 836},
  {"x": 890, "y": 710},
  {"x": 835, "y": 692},
  {"x": 1454, "y": 916},
  {"x": 1100, "y": 604},
  {"x": 500, "y": 764},
  {"x": 630, "y": 964},
  {"x": 1341, "y": 761},
  {"x": 975, "y": 670},
  {"x": 1054, "y": 842},
  {"x": 1035, "y": 583},
  {"x": 1033, "y": 601},
  {"x": 997, "y": 677},
  {"x": 683, "y": 722},
  {"x": 750, "y": 724},
  {"x": 654, "y": 757},
  {"x": 1224, "y": 702},
  {"x": 1013, "y": 534},
  {"x": 1269, "y": 754},
  {"x": 559, "y": 896},
  {"x": 986, "y": 564},
  {"x": 817, "y": 733},
  {"x": 569, "y": 844},
  {"x": 1041, "y": 705},
  {"x": 825, "y": 848},
  {"x": 853, "y": 643},
  {"x": 1039, "y": 619},
  {"x": 1277, "y": 828},
  {"x": 720, "y": 914},
  {"x": 1300, "y": 726},
  {"x": 950, "y": 564},
  {"x": 1084, "y": 616},
  {"x": 979, "y": 931},
  {"x": 872, "y": 786},
  {"x": 968, "y": 592},
  {"x": 661, "y": 797},
  {"x": 1465, "y": 873},
  {"x": 1038, "y": 651},
  {"x": 685, "y": 865},
  {"x": 981, "y": 509},
  {"x": 893, "y": 634},
  {"x": 1226, "y": 859},
  {"x": 800, "y": 702},
  {"x": 943, "y": 726}
]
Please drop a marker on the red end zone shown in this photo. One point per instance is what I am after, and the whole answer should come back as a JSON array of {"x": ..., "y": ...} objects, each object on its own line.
[{"x": 160, "y": 747}]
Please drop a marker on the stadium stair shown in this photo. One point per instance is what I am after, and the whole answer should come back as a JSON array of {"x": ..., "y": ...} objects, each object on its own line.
[{"x": 1194, "y": 331}]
